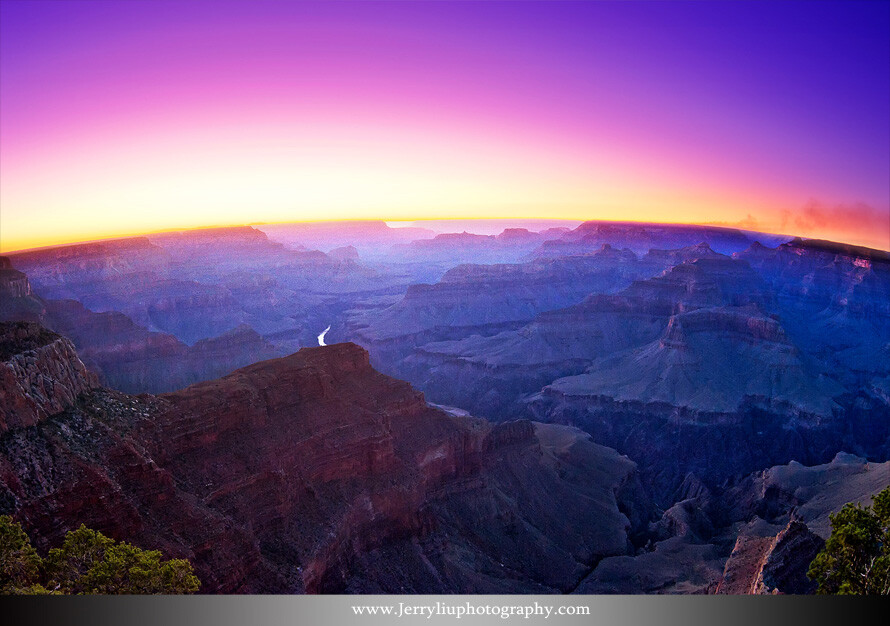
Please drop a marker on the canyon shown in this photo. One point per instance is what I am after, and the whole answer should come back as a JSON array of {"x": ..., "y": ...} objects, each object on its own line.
[
  {"x": 309, "y": 473},
  {"x": 703, "y": 396},
  {"x": 314, "y": 473}
]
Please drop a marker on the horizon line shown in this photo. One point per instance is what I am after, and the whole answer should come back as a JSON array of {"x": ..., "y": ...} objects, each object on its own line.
[{"x": 256, "y": 225}]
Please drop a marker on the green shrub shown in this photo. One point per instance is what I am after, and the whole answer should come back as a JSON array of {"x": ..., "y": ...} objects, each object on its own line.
[
  {"x": 856, "y": 557},
  {"x": 19, "y": 561},
  {"x": 88, "y": 562}
]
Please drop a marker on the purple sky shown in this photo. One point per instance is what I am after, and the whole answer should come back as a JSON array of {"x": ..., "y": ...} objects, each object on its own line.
[{"x": 121, "y": 117}]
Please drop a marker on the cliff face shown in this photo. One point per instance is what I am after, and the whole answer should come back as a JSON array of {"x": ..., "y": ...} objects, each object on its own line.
[
  {"x": 332, "y": 462},
  {"x": 313, "y": 473},
  {"x": 40, "y": 375},
  {"x": 13, "y": 284},
  {"x": 784, "y": 569},
  {"x": 836, "y": 300},
  {"x": 502, "y": 358},
  {"x": 772, "y": 564}
]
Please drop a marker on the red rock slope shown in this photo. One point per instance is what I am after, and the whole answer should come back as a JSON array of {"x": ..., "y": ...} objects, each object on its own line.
[{"x": 316, "y": 473}]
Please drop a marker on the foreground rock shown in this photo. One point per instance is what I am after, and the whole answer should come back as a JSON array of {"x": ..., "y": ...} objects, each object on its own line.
[
  {"x": 763, "y": 563},
  {"x": 315, "y": 473},
  {"x": 756, "y": 537}
]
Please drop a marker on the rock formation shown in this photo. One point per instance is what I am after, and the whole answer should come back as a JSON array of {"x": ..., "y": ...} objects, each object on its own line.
[
  {"x": 40, "y": 375},
  {"x": 312, "y": 473},
  {"x": 17, "y": 299}
]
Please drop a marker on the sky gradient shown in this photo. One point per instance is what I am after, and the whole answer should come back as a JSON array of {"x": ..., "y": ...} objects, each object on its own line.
[{"x": 120, "y": 118}]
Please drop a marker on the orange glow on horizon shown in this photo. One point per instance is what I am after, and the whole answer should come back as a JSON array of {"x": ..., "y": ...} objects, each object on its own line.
[
  {"x": 90, "y": 187},
  {"x": 876, "y": 242}
]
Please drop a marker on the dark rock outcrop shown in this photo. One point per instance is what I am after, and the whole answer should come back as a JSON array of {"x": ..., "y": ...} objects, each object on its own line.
[
  {"x": 772, "y": 564},
  {"x": 313, "y": 473},
  {"x": 785, "y": 567}
]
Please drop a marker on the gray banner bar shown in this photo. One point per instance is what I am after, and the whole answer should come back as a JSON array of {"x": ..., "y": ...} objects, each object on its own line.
[{"x": 434, "y": 610}]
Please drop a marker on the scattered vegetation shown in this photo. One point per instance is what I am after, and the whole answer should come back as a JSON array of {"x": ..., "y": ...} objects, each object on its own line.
[
  {"x": 88, "y": 562},
  {"x": 856, "y": 557}
]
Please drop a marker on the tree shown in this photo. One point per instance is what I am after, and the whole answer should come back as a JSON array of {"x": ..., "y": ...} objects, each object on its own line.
[
  {"x": 19, "y": 561},
  {"x": 88, "y": 562},
  {"x": 856, "y": 557}
]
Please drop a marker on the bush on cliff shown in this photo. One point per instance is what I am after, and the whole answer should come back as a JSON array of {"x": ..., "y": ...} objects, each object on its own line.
[
  {"x": 88, "y": 562},
  {"x": 856, "y": 557}
]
